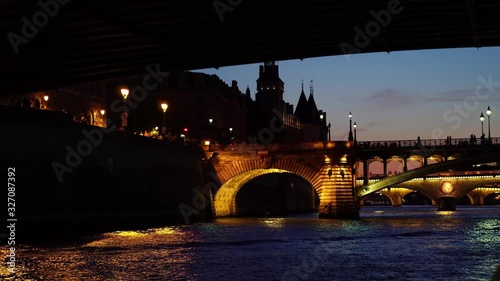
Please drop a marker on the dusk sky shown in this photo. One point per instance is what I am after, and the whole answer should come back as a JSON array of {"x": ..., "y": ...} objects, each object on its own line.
[{"x": 394, "y": 96}]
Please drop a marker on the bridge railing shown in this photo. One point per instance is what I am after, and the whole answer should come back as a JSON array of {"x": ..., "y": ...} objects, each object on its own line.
[
  {"x": 280, "y": 146},
  {"x": 459, "y": 142},
  {"x": 423, "y": 143}
]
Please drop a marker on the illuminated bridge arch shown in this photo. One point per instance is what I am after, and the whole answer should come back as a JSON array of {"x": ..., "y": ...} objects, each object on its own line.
[{"x": 225, "y": 198}]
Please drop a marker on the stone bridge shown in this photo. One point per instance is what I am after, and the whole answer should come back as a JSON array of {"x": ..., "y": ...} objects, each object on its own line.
[
  {"x": 331, "y": 169},
  {"x": 447, "y": 192},
  {"x": 425, "y": 151},
  {"x": 326, "y": 166},
  {"x": 476, "y": 185}
]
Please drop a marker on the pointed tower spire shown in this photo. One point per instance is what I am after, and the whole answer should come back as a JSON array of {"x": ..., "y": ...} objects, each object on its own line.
[
  {"x": 311, "y": 90},
  {"x": 247, "y": 94},
  {"x": 312, "y": 108},
  {"x": 302, "y": 109}
]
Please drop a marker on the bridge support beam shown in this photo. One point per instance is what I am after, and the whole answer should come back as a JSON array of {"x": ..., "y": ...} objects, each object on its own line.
[{"x": 447, "y": 204}]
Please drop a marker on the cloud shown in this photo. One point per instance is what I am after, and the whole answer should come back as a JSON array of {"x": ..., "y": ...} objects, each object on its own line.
[
  {"x": 372, "y": 124},
  {"x": 395, "y": 100},
  {"x": 461, "y": 94},
  {"x": 391, "y": 98}
]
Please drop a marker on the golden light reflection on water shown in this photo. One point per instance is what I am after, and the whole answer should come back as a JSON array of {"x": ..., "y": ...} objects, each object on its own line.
[
  {"x": 221, "y": 249},
  {"x": 130, "y": 234},
  {"x": 152, "y": 231},
  {"x": 274, "y": 222},
  {"x": 121, "y": 255},
  {"x": 445, "y": 213},
  {"x": 151, "y": 236}
]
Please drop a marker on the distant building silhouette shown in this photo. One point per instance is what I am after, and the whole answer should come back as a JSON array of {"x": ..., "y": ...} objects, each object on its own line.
[
  {"x": 200, "y": 105},
  {"x": 193, "y": 99},
  {"x": 271, "y": 112}
]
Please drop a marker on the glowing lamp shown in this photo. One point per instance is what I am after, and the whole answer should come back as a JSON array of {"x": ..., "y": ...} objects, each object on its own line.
[
  {"x": 124, "y": 92},
  {"x": 327, "y": 160},
  {"x": 343, "y": 159},
  {"x": 164, "y": 106}
]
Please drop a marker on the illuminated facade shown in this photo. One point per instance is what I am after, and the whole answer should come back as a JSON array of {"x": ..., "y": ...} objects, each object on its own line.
[
  {"x": 199, "y": 106},
  {"x": 84, "y": 103}
]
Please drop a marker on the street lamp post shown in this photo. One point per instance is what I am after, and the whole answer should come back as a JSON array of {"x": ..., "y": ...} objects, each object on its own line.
[
  {"x": 210, "y": 129},
  {"x": 164, "y": 107},
  {"x": 329, "y": 127},
  {"x": 355, "y": 125},
  {"x": 481, "y": 117},
  {"x": 103, "y": 119},
  {"x": 488, "y": 112},
  {"x": 46, "y": 99},
  {"x": 124, "y": 92},
  {"x": 323, "y": 133},
  {"x": 350, "y": 127}
]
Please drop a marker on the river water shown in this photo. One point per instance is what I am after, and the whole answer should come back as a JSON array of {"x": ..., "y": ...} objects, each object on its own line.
[{"x": 386, "y": 243}]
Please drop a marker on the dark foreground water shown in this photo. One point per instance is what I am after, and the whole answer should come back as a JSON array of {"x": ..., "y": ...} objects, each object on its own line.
[{"x": 407, "y": 243}]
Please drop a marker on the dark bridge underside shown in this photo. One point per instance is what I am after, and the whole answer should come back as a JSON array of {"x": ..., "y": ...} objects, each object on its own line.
[{"x": 102, "y": 39}]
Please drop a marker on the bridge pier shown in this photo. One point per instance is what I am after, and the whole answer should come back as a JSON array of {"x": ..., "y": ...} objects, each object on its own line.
[
  {"x": 397, "y": 200},
  {"x": 365, "y": 172},
  {"x": 384, "y": 162},
  {"x": 477, "y": 199},
  {"x": 337, "y": 196},
  {"x": 447, "y": 204}
]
